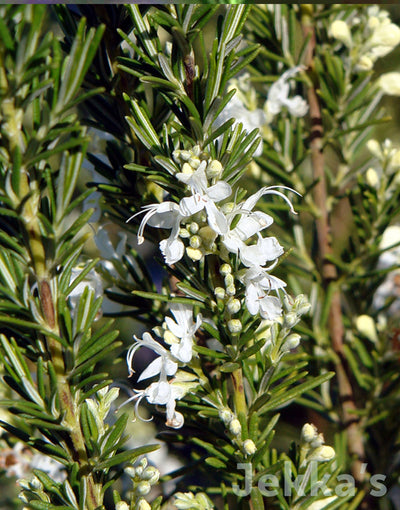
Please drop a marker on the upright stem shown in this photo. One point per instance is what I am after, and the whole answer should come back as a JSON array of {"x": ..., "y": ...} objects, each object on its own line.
[
  {"x": 328, "y": 269},
  {"x": 67, "y": 403}
]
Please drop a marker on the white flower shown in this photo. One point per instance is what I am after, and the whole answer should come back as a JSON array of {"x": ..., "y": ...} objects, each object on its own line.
[
  {"x": 278, "y": 96},
  {"x": 164, "y": 215},
  {"x": 164, "y": 365},
  {"x": 204, "y": 197},
  {"x": 183, "y": 329},
  {"x": 251, "y": 223},
  {"x": 384, "y": 38},
  {"x": 258, "y": 286},
  {"x": 250, "y": 119}
]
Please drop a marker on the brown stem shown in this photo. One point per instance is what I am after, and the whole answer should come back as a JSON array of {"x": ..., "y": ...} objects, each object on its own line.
[
  {"x": 68, "y": 406},
  {"x": 328, "y": 270}
]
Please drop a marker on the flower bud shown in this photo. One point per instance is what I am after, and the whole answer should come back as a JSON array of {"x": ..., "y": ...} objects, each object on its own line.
[
  {"x": 151, "y": 474},
  {"x": 389, "y": 83},
  {"x": 308, "y": 433},
  {"x": 386, "y": 35},
  {"x": 36, "y": 484},
  {"x": 194, "y": 163},
  {"x": 229, "y": 280},
  {"x": 318, "y": 441},
  {"x": 187, "y": 169},
  {"x": 231, "y": 290},
  {"x": 372, "y": 178},
  {"x": 322, "y": 454},
  {"x": 143, "y": 505},
  {"x": 193, "y": 227},
  {"x": 290, "y": 320},
  {"x": 374, "y": 148},
  {"x": 195, "y": 242},
  {"x": 302, "y": 304},
  {"x": 233, "y": 306},
  {"x": 366, "y": 326},
  {"x": 291, "y": 342},
  {"x": 194, "y": 253},
  {"x": 143, "y": 488},
  {"x": 214, "y": 169},
  {"x": 339, "y": 30},
  {"x": 249, "y": 447},
  {"x": 225, "y": 269},
  {"x": 364, "y": 63},
  {"x": 226, "y": 415},
  {"x": 184, "y": 233},
  {"x": 219, "y": 292},
  {"x": 234, "y": 427},
  {"x": 121, "y": 505},
  {"x": 235, "y": 326}
]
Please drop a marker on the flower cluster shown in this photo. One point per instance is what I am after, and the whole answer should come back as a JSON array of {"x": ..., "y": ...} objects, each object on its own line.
[
  {"x": 230, "y": 228},
  {"x": 243, "y": 105},
  {"x": 376, "y": 36},
  {"x": 179, "y": 335},
  {"x": 312, "y": 446}
]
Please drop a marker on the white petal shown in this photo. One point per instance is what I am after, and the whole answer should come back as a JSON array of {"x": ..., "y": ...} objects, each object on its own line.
[
  {"x": 252, "y": 300},
  {"x": 175, "y": 328},
  {"x": 232, "y": 242},
  {"x": 153, "y": 369},
  {"x": 172, "y": 250},
  {"x": 270, "y": 248},
  {"x": 158, "y": 393},
  {"x": 216, "y": 218},
  {"x": 270, "y": 308},
  {"x": 191, "y": 205},
  {"x": 165, "y": 215},
  {"x": 297, "y": 106},
  {"x": 219, "y": 191}
]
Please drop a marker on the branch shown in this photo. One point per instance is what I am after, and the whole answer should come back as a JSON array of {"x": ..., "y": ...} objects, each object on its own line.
[{"x": 328, "y": 270}]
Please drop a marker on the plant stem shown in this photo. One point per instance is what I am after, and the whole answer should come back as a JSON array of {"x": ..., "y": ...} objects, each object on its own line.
[
  {"x": 328, "y": 270},
  {"x": 68, "y": 406}
]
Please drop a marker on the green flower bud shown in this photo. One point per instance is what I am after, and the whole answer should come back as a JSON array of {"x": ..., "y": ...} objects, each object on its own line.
[
  {"x": 235, "y": 326},
  {"x": 229, "y": 280},
  {"x": 291, "y": 342},
  {"x": 194, "y": 253},
  {"x": 219, "y": 292},
  {"x": 143, "y": 488},
  {"x": 308, "y": 433},
  {"x": 225, "y": 269},
  {"x": 231, "y": 290},
  {"x": 151, "y": 474},
  {"x": 194, "y": 163},
  {"x": 121, "y": 505},
  {"x": 234, "y": 427},
  {"x": 214, "y": 169},
  {"x": 290, "y": 320},
  {"x": 193, "y": 228},
  {"x": 249, "y": 447},
  {"x": 184, "y": 233},
  {"x": 233, "y": 306},
  {"x": 225, "y": 415},
  {"x": 195, "y": 242}
]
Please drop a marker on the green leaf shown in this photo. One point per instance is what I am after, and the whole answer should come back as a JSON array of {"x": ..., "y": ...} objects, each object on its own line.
[
  {"x": 281, "y": 399},
  {"x": 128, "y": 456}
]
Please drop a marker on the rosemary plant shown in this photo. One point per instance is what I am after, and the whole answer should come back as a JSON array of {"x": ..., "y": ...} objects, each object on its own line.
[{"x": 211, "y": 172}]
